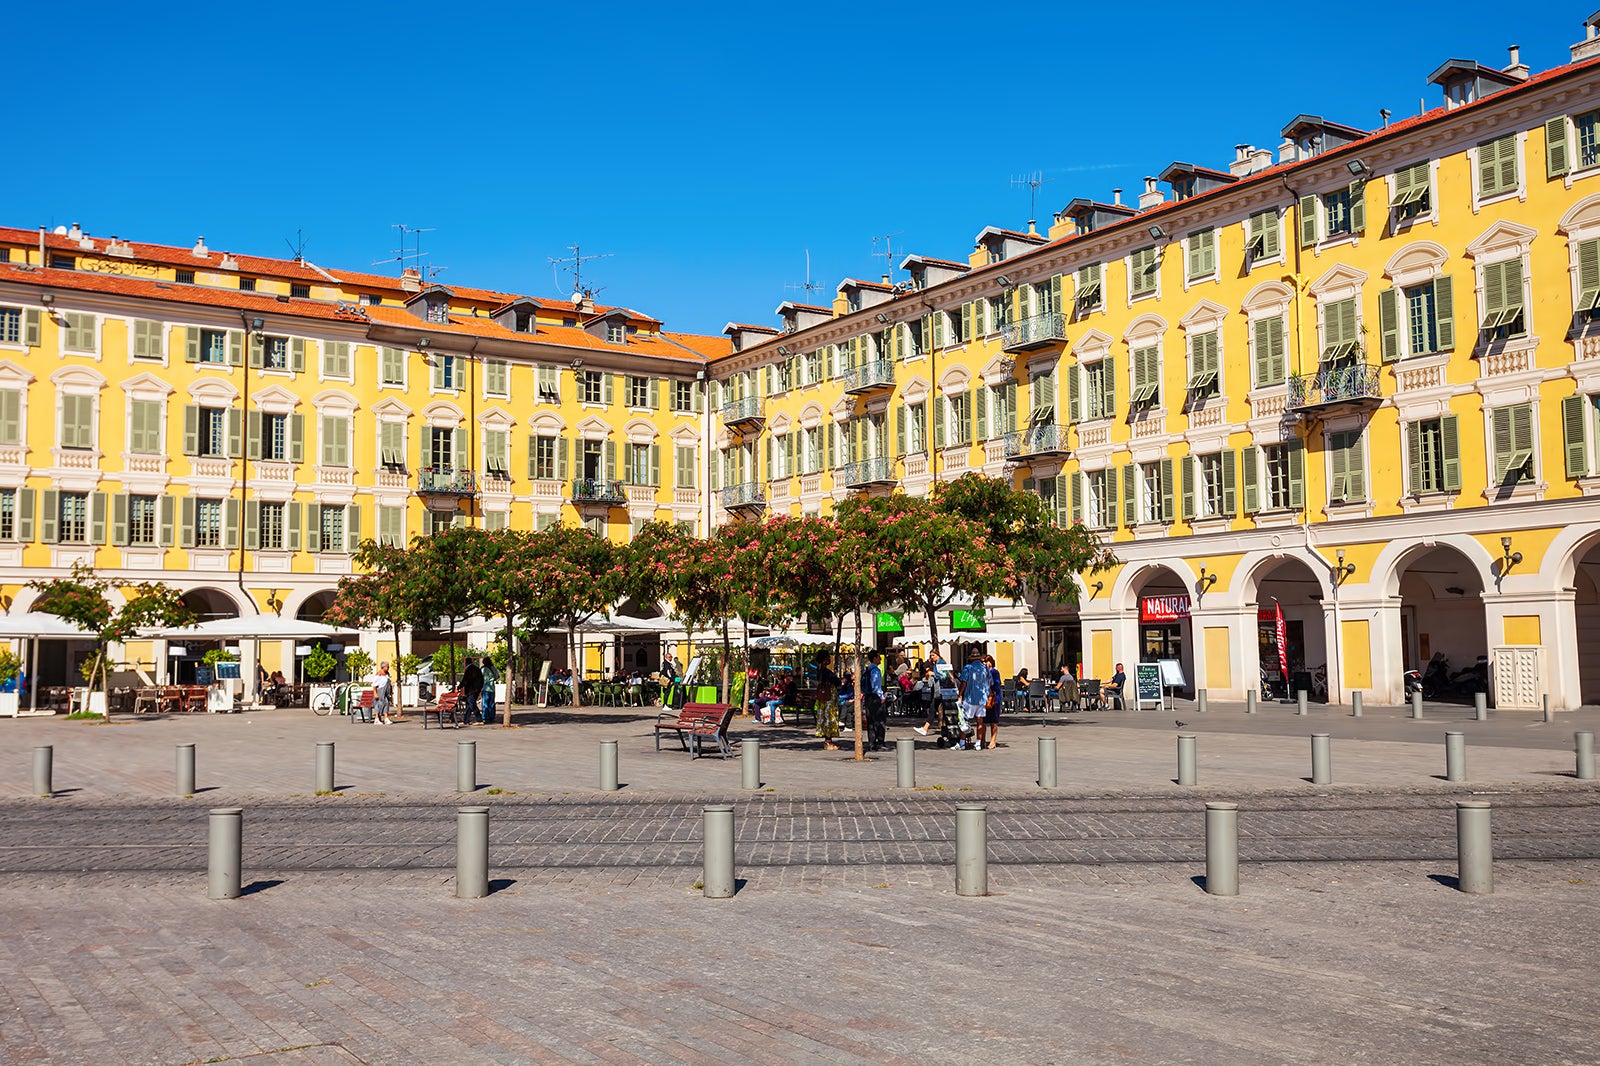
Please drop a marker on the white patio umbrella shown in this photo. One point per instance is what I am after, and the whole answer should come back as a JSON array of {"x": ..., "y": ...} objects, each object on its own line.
[
  {"x": 34, "y": 626},
  {"x": 254, "y": 628}
]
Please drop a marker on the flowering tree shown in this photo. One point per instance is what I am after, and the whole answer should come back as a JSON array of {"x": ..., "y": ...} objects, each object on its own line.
[
  {"x": 387, "y": 595},
  {"x": 441, "y": 579},
  {"x": 503, "y": 563},
  {"x": 571, "y": 575},
  {"x": 86, "y": 598}
]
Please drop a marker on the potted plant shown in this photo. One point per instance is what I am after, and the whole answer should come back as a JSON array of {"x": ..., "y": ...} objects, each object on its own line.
[
  {"x": 319, "y": 666},
  {"x": 10, "y": 691},
  {"x": 219, "y": 698},
  {"x": 89, "y": 701},
  {"x": 359, "y": 665},
  {"x": 409, "y": 689}
]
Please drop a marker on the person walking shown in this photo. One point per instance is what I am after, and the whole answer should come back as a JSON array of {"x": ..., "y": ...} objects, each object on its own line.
[
  {"x": 872, "y": 696},
  {"x": 490, "y": 676},
  {"x": 933, "y": 710},
  {"x": 991, "y": 717},
  {"x": 471, "y": 689},
  {"x": 827, "y": 702},
  {"x": 382, "y": 695},
  {"x": 972, "y": 694}
]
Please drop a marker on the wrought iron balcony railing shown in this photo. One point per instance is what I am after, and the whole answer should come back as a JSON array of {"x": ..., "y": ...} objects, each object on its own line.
[
  {"x": 877, "y": 374},
  {"x": 745, "y": 410},
  {"x": 874, "y": 471},
  {"x": 446, "y": 482},
  {"x": 1343, "y": 383},
  {"x": 598, "y": 490},
  {"x": 750, "y": 494},
  {"x": 1043, "y": 439},
  {"x": 1036, "y": 332}
]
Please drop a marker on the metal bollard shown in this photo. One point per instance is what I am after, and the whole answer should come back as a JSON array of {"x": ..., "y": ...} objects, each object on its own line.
[
  {"x": 905, "y": 763},
  {"x": 1355, "y": 705},
  {"x": 1474, "y": 847},
  {"x": 1300, "y": 702},
  {"x": 1480, "y": 707},
  {"x": 750, "y": 764},
  {"x": 1200, "y": 700},
  {"x": 324, "y": 766},
  {"x": 185, "y": 769},
  {"x": 1416, "y": 704},
  {"x": 608, "y": 766},
  {"x": 1549, "y": 715},
  {"x": 716, "y": 878},
  {"x": 466, "y": 766},
  {"x": 1455, "y": 756},
  {"x": 225, "y": 845},
  {"x": 1222, "y": 849},
  {"x": 1047, "y": 762},
  {"x": 1186, "y": 775},
  {"x": 472, "y": 852},
  {"x": 43, "y": 757},
  {"x": 1585, "y": 750},
  {"x": 972, "y": 849},
  {"x": 1321, "y": 760},
  {"x": 1250, "y": 702}
]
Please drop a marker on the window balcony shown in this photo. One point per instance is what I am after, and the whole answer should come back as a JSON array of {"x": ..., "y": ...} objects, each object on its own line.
[
  {"x": 1352, "y": 385},
  {"x": 878, "y": 374},
  {"x": 752, "y": 494},
  {"x": 446, "y": 482},
  {"x": 878, "y": 471},
  {"x": 1042, "y": 439},
  {"x": 745, "y": 410},
  {"x": 598, "y": 490},
  {"x": 1040, "y": 331}
]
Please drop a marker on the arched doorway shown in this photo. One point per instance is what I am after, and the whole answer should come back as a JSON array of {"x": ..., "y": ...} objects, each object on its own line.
[
  {"x": 1288, "y": 590},
  {"x": 314, "y": 606},
  {"x": 1165, "y": 631},
  {"x": 183, "y": 657},
  {"x": 1586, "y": 619},
  {"x": 1441, "y": 608}
]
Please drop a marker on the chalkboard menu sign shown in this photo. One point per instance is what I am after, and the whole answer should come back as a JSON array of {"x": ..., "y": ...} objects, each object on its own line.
[{"x": 1147, "y": 682}]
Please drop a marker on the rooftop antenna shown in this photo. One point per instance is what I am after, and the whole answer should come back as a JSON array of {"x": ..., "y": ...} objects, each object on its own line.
[
  {"x": 574, "y": 265},
  {"x": 1032, "y": 181},
  {"x": 402, "y": 255},
  {"x": 807, "y": 287},
  {"x": 888, "y": 251},
  {"x": 297, "y": 246}
]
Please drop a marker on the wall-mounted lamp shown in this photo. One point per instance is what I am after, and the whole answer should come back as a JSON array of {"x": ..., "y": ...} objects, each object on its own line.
[
  {"x": 1094, "y": 589},
  {"x": 1205, "y": 582},
  {"x": 1508, "y": 558},
  {"x": 1357, "y": 168},
  {"x": 1158, "y": 233},
  {"x": 274, "y": 603},
  {"x": 423, "y": 343},
  {"x": 257, "y": 324},
  {"x": 783, "y": 350},
  {"x": 699, "y": 375},
  {"x": 883, "y": 319},
  {"x": 47, "y": 298},
  {"x": 1004, "y": 281},
  {"x": 1343, "y": 569},
  {"x": 576, "y": 363}
]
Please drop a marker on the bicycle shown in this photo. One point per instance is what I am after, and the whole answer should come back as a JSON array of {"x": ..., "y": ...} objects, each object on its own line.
[{"x": 324, "y": 702}]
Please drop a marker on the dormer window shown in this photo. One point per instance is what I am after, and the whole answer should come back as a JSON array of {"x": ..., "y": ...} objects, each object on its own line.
[
  {"x": 853, "y": 300},
  {"x": 524, "y": 322},
  {"x": 997, "y": 252},
  {"x": 1183, "y": 188},
  {"x": 439, "y": 312},
  {"x": 616, "y": 333}
]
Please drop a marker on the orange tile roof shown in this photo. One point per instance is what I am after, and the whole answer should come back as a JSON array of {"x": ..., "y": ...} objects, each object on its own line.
[
  {"x": 167, "y": 255},
  {"x": 261, "y": 303},
  {"x": 564, "y": 336}
]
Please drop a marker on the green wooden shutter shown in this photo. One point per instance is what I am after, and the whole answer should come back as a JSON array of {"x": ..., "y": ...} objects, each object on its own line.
[
  {"x": 1358, "y": 206},
  {"x": 610, "y": 471},
  {"x": 1574, "y": 436},
  {"x": 1166, "y": 490},
  {"x": 607, "y": 383},
  {"x": 1389, "y": 324},
  {"x": 1295, "y": 453},
  {"x": 1444, "y": 312},
  {"x": 191, "y": 429},
  {"x": 252, "y": 434},
  {"x": 1073, "y": 374},
  {"x": 230, "y": 524},
  {"x": 313, "y": 527},
  {"x": 146, "y": 339},
  {"x": 252, "y": 525},
  {"x": 1308, "y": 221},
  {"x": 655, "y": 465},
  {"x": 941, "y": 406},
  {"x": 32, "y": 328},
  {"x": 291, "y": 527},
  {"x": 900, "y": 430},
  {"x": 1339, "y": 464},
  {"x": 258, "y": 349},
  {"x": 980, "y": 410},
  {"x": 1076, "y": 510},
  {"x": 1588, "y": 256},
  {"x": 352, "y": 526},
  {"x": 1130, "y": 495},
  {"x": 1188, "y": 487},
  {"x": 235, "y": 425},
  {"x": 297, "y": 355},
  {"x": 391, "y": 371},
  {"x": 1556, "y": 159},
  {"x": 191, "y": 347},
  {"x": 1202, "y": 253},
  {"x": 1108, "y": 386},
  {"x": 1355, "y": 468},
  {"x": 1228, "y": 501},
  {"x": 436, "y": 376},
  {"x": 235, "y": 347},
  {"x": 186, "y": 522},
  {"x": 1056, "y": 306},
  {"x": 1250, "y": 476},
  {"x": 563, "y": 458},
  {"x": 1450, "y": 450},
  {"x": 1522, "y": 429},
  {"x": 164, "y": 521},
  {"x": 1417, "y": 480},
  {"x": 297, "y": 438},
  {"x": 1271, "y": 241},
  {"x": 533, "y": 455},
  {"x": 463, "y": 455},
  {"x": 97, "y": 518},
  {"x": 1501, "y": 420},
  {"x": 119, "y": 519}
]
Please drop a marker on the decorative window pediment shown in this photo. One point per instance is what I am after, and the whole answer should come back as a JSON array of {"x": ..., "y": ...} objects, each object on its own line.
[
  {"x": 1341, "y": 282},
  {"x": 1502, "y": 240},
  {"x": 810, "y": 416},
  {"x": 638, "y": 431},
  {"x": 139, "y": 387},
  {"x": 954, "y": 381},
  {"x": 1091, "y": 344},
  {"x": 1203, "y": 316},
  {"x": 592, "y": 428},
  {"x": 1582, "y": 219},
  {"x": 1267, "y": 299},
  {"x": 440, "y": 414},
  {"x": 78, "y": 379},
  {"x": 390, "y": 409},
  {"x": 547, "y": 423},
  {"x": 1146, "y": 329},
  {"x": 1416, "y": 263}
]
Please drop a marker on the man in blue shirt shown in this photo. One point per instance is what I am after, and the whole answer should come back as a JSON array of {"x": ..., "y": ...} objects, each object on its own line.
[
  {"x": 974, "y": 695},
  {"x": 872, "y": 696}
]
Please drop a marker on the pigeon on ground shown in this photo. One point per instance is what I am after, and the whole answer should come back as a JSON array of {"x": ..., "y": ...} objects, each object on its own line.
[{"x": 1179, "y": 724}]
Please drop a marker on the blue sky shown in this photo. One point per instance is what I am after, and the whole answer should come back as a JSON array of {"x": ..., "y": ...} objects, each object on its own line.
[{"x": 704, "y": 149}]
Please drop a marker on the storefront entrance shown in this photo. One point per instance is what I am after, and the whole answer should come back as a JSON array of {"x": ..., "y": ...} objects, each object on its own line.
[{"x": 1161, "y": 642}]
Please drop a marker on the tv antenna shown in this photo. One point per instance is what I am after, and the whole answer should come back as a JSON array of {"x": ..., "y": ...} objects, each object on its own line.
[
  {"x": 888, "y": 251},
  {"x": 402, "y": 255},
  {"x": 297, "y": 246},
  {"x": 807, "y": 287},
  {"x": 1032, "y": 181},
  {"x": 573, "y": 264}
]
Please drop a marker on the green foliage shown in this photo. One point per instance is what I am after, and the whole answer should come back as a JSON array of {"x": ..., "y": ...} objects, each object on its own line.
[
  {"x": 10, "y": 665},
  {"x": 409, "y": 664},
  {"x": 500, "y": 656},
  {"x": 115, "y": 611},
  {"x": 218, "y": 655},
  {"x": 320, "y": 664},
  {"x": 358, "y": 664},
  {"x": 447, "y": 662}
]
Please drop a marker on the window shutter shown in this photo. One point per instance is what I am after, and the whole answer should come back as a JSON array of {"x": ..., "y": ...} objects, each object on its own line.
[
  {"x": 1555, "y": 147},
  {"x": 1227, "y": 463},
  {"x": 563, "y": 458},
  {"x": 1501, "y": 421},
  {"x": 460, "y": 439},
  {"x": 1188, "y": 487},
  {"x": 252, "y": 525},
  {"x": 1073, "y": 373},
  {"x": 235, "y": 432},
  {"x": 1308, "y": 221},
  {"x": 258, "y": 349},
  {"x": 1522, "y": 428},
  {"x": 313, "y": 527},
  {"x": 1294, "y": 452},
  {"x": 1574, "y": 438},
  {"x": 1109, "y": 509},
  {"x": 1250, "y": 476},
  {"x": 900, "y": 430},
  {"x": 1413, "y": 435},
  {"x": 436, "y": 373},
  {"x": 186, "y": 523},
  {"x": 1389, "y": 324},
  {"x": 119, "y": 519},
  {"x": 164, "y": 512},
  {"x": 1076, "y": 511},
  {"x": 769, "y": 455},
  {"x": 146, "y": 339},
  {"x": 1166, "y": 490},
  {"x": 352, "y": 527},
  {"x": 235, "y": 348},
  {"x": 291, "y": 527},
  {"x": 1358, "y": 206},
  {"x": 1450, "y": 450},
  {"x": 606, "y": 386},
  {"x": 390, "y": 370},
  {"x": 940, "y": 413},
  {"x": 1271, "y": 242},
  {"x": 1055, "y": 294},
  {"x": 980, "y": 409},
  {"x": 191, "y": 429},
  {"x": 1356, "y": 468},
  {"x": 31, "y": 328},
  {"x": 1339, "y": 464},
  {"x": 191, "y": 348},
  {"x": 1108, "y": 387},
  {"x": 655, "y": 465},
  {"x": 1444, "y": 312},
  {"x": 610, "y": 473},
  {"x": 97, "y": 518},
  {"x": 253, "y": 434},
  {"x": 1130, "y": 501},
  {"x": 230, "y": 524},
  {"x": 533, "y": 455}
]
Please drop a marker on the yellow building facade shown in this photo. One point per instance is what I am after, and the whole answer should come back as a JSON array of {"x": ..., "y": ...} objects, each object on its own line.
[{"x": 1353, "y": 382}]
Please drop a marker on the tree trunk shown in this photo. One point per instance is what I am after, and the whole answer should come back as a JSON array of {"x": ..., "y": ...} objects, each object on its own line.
[
  {"x": 511, "y": 672},
  {"x": 105, "y": 686},
  {"x": 727, "y": 663},
  {"x": 744, "y": 700},
  {"x": 398, "y": 710},
  {"x": 860, "y": 689},
  {"x": 573, "y": 651}
]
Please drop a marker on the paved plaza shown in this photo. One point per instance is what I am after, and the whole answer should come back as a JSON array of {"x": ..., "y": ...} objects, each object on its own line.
[{"x": 846, "y": 941}]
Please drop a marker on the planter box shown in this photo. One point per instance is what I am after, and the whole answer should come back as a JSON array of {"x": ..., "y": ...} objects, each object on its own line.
[
  {"x": 10, "y": 704},
  {"x": 314, "y": 691},
  {"x": 93, "y": 702}
]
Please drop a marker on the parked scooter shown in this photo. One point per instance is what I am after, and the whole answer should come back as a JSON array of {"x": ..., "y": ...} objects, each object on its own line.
[
  {"x": 1436, "y": 678},
  {"x": 1413, "y": 683}
]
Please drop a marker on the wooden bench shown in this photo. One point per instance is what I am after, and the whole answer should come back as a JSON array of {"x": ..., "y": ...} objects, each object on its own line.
[
  {"x": 447, "y": 705},
  {"x": 695, "y": 721}
]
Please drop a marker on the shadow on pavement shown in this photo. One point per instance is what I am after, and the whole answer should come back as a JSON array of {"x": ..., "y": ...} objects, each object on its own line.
[
  {"x": 259, "y": 886},
  {"x": 1447, "y": 880}
]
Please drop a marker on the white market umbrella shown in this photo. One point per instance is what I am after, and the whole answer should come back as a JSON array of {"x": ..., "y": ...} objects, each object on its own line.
[{"x": 34, "y": 626}]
